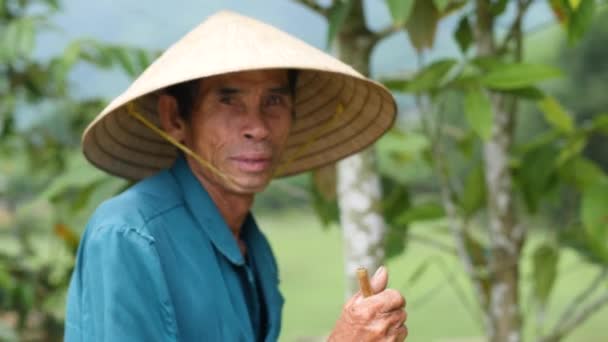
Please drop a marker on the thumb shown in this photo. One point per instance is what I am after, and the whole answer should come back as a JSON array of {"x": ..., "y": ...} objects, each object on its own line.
[{"x": 379, "y": 280}]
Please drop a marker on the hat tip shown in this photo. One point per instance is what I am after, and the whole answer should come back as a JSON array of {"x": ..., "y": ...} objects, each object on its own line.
[{"x": 225, "y": 13}]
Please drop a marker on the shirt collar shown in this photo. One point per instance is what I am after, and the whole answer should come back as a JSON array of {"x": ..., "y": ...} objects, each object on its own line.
[{"x": 206, "y": 213}]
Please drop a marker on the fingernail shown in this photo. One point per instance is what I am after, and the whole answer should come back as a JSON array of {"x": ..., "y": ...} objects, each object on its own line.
[{"x": 380, "y": 269}]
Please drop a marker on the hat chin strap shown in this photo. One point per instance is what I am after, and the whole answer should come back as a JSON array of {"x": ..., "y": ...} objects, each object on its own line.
[{"x": 132, "y": 110}]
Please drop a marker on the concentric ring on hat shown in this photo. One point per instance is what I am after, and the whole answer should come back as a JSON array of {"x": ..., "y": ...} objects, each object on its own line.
[{"x": 227, "y": 42}]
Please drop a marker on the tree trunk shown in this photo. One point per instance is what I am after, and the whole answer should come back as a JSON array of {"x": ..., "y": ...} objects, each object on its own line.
[
  {"x": 359, "y": 187},
  {"x": 506, "y": 237}
]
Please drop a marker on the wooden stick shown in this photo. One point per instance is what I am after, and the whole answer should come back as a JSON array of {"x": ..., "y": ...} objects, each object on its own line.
[{"x": 364, "y": 285}]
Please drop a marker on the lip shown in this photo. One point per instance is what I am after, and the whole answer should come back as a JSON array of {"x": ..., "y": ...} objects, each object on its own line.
[{"x": 252, "y": 163}]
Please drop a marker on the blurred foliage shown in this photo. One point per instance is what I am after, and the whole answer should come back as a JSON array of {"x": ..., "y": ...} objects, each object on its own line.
[
  {"x": 556, "y": 168},
  {"x": 585, "y": 88},
  {"x": 555, "y": 174},
  {"x": 46, "y": 186}
]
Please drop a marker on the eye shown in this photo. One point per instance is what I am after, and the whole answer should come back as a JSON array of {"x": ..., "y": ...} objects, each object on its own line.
[
  {"x": 274, "y": 100},
  {"x": 228, "y": 100}
]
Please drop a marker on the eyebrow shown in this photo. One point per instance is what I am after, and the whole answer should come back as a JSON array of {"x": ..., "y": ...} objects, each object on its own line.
[
  {"x": 228, "y": 91},
  {"x": 284, "y": 90}
]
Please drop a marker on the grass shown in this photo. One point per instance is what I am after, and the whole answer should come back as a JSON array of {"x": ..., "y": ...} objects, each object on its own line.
[{"x": 310, "y": 261}]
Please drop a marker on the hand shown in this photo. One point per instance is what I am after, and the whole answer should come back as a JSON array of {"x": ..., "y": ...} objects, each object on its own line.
[{"x": 380, "y": 317}]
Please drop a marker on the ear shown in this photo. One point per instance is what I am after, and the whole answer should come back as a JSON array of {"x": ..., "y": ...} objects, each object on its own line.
[{"x": 170, "y": 120}]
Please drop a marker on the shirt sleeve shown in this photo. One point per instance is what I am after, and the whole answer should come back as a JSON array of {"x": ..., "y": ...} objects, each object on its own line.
[{"x": 124, "y": 292}]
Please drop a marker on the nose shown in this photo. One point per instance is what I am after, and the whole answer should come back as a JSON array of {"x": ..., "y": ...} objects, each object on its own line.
[{"x": 256, "y": 128}]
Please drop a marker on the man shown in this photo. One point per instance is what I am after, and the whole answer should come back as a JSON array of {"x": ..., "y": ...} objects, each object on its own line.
[{"x": 178, "y": 256}]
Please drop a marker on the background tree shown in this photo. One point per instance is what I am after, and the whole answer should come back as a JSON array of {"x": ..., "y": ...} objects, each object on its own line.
[
  {"x": 46, "y": 187},
  {"x": 507, "y": 181},
  {"x": 491, "y": 186}
]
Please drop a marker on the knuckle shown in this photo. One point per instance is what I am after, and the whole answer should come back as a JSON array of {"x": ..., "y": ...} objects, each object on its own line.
[
  {"x": 360, "y": 313},
  {"x": 377, "y": 330},
  {"x": 404, "y": 331},
  {"x": 402, "y": 317},
  {"x": 396, "y": 296}
]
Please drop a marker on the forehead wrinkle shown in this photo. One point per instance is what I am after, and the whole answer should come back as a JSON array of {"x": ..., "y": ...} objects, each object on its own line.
[{"x": 243, "y": 83}]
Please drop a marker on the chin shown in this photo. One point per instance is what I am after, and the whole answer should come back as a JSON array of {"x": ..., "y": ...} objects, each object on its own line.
[{"x": 250, "y": 185}]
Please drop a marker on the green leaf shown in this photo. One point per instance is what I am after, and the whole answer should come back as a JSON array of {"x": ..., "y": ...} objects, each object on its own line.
[
  {"x": 143, "y": 60},
  {"x": 478, "y": 111},
  {"x": 544, "y": 269},
  {"x": 396, "y": 199},
  {"x": 476, "y": 250},
  {"x": 7, "y": 107},
  {"x": 395, "y": 241},
  {"x": 17, "y": 39},
  {"x": 324, "y": 179},
  {"x": 474, "y": 192},
  {"x": 54, "y": 4},
  {"x": 337, "y": 16},
  {"x": 441, "y": 5},
  {"x": 594, "y": 213},
  {"x": 124, "y": 60},
  {"x": 600, "y": 123},
  {"x": 26, "y": 37},
  {"x": 422, "y": 24},
  {"x": 8, "y": 40},
  {"x": 466, "y": 144},
  {"x": 464, "y": 34},
  {"x": 431, "y": 77},
  {"x": 418, "y": 272},
  {"x": 516, "y": 75},
  {"x": 498, "y": 7},
  {"x": 527, "y": 93},
  {"x": 400, "y": 10},
  {"x": 556, "y": 115},
  {"x": 582, "y": 173},
  {"x": 487, "y": 63},
  {"x": 573, "y": 148},
  {"x": 537, "y": 174},
  {"x": 327, "y": 210},
  {"x": 396, "y": 84},
  {"x": 78, "y": 175},
  {"x": 580, "y": 20},
  {"x": 421, "y": 212},
  {"x": 71, "y": 54},
  {"x": 560, "y": 9}
]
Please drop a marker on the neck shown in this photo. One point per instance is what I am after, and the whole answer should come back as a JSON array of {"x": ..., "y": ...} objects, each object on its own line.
[{"x": 233, "y": 206}]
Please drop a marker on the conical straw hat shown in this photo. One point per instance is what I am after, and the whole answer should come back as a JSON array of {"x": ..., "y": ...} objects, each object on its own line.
[{"x": 338, "y": 111}]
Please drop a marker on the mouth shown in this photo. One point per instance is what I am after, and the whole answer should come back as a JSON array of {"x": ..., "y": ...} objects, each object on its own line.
[{"x": 252, "y": 163}]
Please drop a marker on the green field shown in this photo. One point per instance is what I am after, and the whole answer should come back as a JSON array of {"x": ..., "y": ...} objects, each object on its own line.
[{"x": 310, "y": 260}]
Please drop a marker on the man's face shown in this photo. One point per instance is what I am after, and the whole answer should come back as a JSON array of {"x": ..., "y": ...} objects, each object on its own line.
[{"x": 240, "y": 124}]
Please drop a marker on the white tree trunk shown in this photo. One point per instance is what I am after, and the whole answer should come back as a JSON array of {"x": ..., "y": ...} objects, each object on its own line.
[
  {"x": 358, "y": 183},
  {"x": 363, "y": 228},
  {"x": 506, "y": 236}
]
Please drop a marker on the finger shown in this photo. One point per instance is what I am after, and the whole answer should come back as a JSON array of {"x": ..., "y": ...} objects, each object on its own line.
[
  {"x": 356, "y": 298},
  {"x": 387, "y": 301},
  {"x": 393, "y": 320},
  {"x": 401, "y": 334},
  {"x": 379, "y": 280}
]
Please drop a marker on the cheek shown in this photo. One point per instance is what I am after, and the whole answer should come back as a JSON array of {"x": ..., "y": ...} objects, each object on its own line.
[
  {"x": 213, "y": 138},
  {"x": 282, "y": 129}
]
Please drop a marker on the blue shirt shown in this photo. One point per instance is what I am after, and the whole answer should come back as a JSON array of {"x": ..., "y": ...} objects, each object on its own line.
[{"x": 159, "y": 263}]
